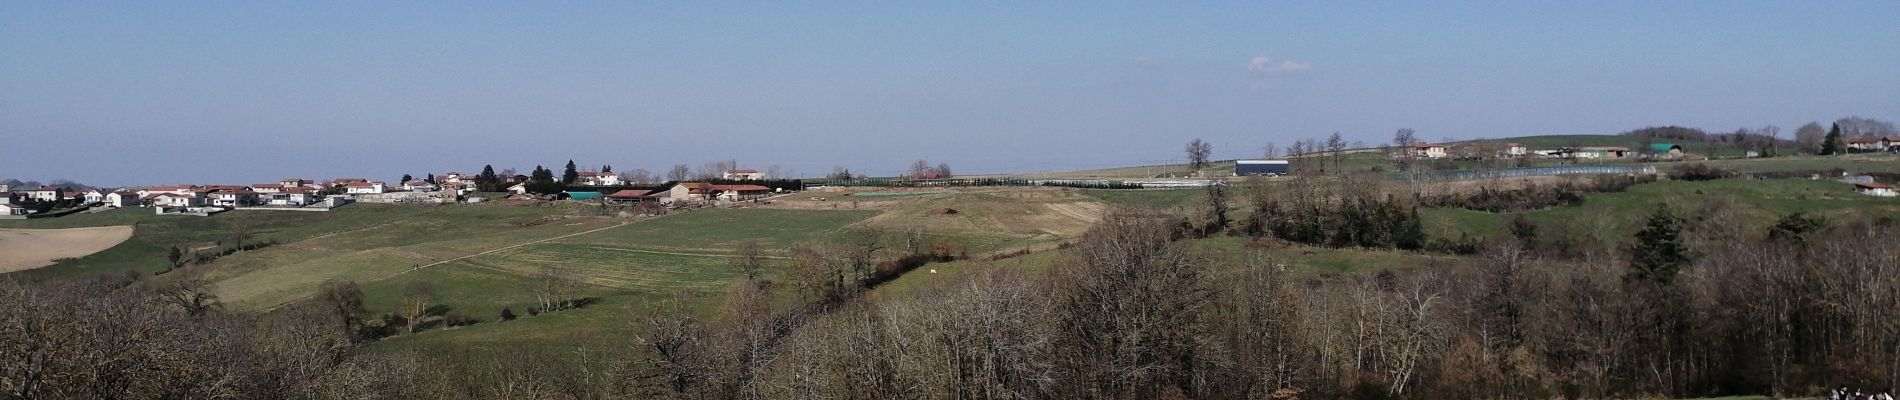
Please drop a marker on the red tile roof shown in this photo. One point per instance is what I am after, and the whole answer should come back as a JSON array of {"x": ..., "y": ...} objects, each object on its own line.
[
  {"x": 1873, "y": 185},
  {"x": 630, "y": 194},
  {"x": 268, "y": 185}
]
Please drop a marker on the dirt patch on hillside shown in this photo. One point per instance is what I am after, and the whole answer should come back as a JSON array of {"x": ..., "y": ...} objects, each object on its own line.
[{"x": 24, "y": 249}]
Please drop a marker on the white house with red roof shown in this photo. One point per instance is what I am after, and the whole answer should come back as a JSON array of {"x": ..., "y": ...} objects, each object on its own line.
[
  {"x": 90, "y": 196},
  {"x": 169, "y": 199},
  {"x": 418, "y": 186},
  {"x": 294, "y": 196},
  {"x": 12, "y": 209},
  {"x": 46, "y": 193},
  {"x": 454, "y": 177},
  {"x": 233, "y": 198},
  {"x": 364, "y": 188},
  {"x": 268, "y": 188},
  {"x": 1427, "y": 150},
  {"x": 1875, "y": 189},
  {"x": 122, "y": 198}
]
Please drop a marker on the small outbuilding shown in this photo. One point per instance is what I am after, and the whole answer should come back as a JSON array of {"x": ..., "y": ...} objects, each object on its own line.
[
  {"x": 1875, "y": 189},
  {"x": 1665, "y": 150}
]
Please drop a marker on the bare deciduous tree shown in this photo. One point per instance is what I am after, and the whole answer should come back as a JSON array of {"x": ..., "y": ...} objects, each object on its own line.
[{"x": 1197, "y": 153}]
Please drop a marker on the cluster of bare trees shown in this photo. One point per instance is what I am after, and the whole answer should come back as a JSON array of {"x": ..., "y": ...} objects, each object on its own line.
[
  {"x": 921, "y": 169},
  {"x": 1135, "y": 314}
]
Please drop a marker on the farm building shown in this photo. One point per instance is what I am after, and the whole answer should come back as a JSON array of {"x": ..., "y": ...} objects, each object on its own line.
[
  {"x": 583, "y": 195},
  {"x": 1873, "y": 143},
  {"x": 12, "y": 209},
  {"x": 1665, "y": 150},
  {"x": 1261, "y": 167},
  {"x": 1427, "y": 150},
  {"x": 1516, "y": 150},
  {"x": 418, "y": 186},
  {"x": 1596, "y": 152},
  {"x": 631, "y": 196},
  {"x": 743, "y": 174},
  {"x": 741, "y": 192},
  {"x": 1875, "y": 189}
]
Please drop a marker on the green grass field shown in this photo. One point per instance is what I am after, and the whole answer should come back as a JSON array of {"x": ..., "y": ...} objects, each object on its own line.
[
  {"x": 154, "y": 234},
  {"x": 727, "y": 229}
]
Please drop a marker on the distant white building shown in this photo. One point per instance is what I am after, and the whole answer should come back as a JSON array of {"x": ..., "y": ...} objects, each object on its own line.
[
  {"x": 91, "y": 196},
  {"x": 1875, "y": 189},
  {"x": 418, "y": 186},
  {"x": 12, "y": 209},
  {"x": 743, "y": 174},
  {"x": 122, "y": 198},
  {"x": 174, "y": 200},
  {"x": 46, "y": 193},
  {"x": 364, "y": 188},
  {"x": 1427, "y": 150},
  {"x": 590, "y": 178}
]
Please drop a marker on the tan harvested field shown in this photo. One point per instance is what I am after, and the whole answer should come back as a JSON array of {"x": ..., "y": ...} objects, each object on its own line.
[{"x": 24, "y": 249}]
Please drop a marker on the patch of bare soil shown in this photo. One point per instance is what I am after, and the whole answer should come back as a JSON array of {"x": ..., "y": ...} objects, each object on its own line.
[{"x": 24, "y": 249}]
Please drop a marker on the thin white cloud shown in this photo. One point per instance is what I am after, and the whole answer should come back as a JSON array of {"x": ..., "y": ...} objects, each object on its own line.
[{"x": 1261, "y": 65}]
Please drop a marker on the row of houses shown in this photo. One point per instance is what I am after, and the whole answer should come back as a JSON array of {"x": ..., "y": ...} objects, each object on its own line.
[{"x": 682, "y": 193}]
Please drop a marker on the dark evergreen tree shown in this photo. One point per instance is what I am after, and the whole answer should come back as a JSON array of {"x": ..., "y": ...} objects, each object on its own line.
[
  {"x": 606, "y": 169},
  {"x": 570, "y": 175},
  {"x": 406, "y": 178},
  {"x": 487, "y": 181},
  {"x": 1795, "y": 227},
  {"x": 1659, "y": 252},
  {"x": 430, "y": 179},
  {"x": 1832, "y": 144}
]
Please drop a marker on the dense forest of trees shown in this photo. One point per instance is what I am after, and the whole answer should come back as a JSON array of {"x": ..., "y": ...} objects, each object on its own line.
[{"x": 1694, "y": 304}]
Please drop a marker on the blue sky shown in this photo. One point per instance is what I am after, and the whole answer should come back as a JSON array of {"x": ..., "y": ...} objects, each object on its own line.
[{"x": 168, "y": 92}]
